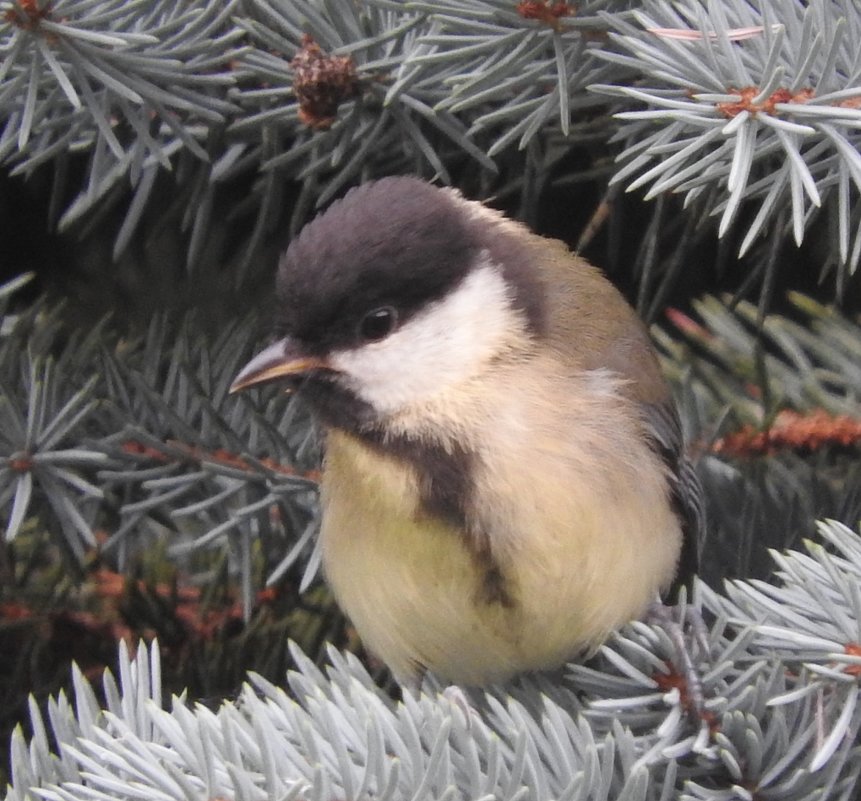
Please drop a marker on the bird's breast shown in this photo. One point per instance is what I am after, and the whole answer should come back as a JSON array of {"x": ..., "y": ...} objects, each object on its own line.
[
  {"x": 409, "y": 579},
  {"x": 574, "y": 552}
]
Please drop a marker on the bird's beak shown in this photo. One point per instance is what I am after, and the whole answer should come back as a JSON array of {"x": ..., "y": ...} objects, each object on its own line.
[{"x": 280, "y": 359}]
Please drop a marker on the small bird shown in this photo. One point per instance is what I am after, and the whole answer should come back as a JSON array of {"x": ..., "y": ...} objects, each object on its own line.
[{"x": 504, "y": 481}]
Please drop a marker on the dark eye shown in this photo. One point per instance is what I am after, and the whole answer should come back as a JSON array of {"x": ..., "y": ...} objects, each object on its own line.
[{"x": 378, "y": 324}]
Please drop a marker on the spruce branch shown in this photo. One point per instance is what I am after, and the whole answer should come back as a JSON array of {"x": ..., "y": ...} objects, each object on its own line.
[
  {"x": 328, "y": 79},
  {"x": 88, "y": 73},
  {"x": 217, "y": 470},
  {"x": 781, "y": 686},
  {"x": 42, "y": 422},
  {"x": 132, "y": 86},
  {"x": 766, "y": 118},
  {"x": 750, "y": 111},
  {"x": 511, "y": 71},
  {"x": 275, "y": 92},
  {"x": 138, "y": 441}
]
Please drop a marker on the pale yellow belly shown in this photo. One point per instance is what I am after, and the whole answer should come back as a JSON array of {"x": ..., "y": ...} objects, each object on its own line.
[{"x": 412, "y": 589}]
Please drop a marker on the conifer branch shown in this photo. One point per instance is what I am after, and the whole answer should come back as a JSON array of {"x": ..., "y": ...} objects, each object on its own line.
[
  {"x": 779, "y": 664},
  {"x": 766, "y": 118}
]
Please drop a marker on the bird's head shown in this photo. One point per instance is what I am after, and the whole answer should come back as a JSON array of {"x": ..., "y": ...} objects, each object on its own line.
[{"x": 394, "y": 295}]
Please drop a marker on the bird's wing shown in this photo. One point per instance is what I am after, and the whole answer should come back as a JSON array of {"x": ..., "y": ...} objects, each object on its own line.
[
  {"x": 593, "y": 327},
  {"x": 663, "y": 423}
]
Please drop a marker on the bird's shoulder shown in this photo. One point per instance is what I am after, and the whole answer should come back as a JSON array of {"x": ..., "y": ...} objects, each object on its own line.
[{"x": 591, "y": 325}]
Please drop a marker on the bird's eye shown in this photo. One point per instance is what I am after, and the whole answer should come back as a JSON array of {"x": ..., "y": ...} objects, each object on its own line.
[{"x": 378, "y": 324}]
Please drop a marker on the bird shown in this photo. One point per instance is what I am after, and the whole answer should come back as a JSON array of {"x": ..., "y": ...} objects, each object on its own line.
[{"x": 504, "y": 479}]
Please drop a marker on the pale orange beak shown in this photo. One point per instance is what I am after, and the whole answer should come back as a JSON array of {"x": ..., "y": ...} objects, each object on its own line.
[{"x": 279, "y": 360}]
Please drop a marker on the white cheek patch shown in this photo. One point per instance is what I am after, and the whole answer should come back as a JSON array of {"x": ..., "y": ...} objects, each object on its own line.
[{"x": 443, "y": 345}]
